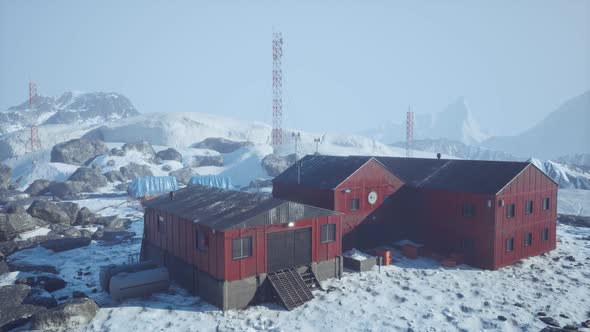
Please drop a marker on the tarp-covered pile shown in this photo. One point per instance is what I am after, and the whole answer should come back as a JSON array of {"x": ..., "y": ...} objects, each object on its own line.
[
  {"x": 152, "y": 185},
  {"x": 216, "y": 181}
]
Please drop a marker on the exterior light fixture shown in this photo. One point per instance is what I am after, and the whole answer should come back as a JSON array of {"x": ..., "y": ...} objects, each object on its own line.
[
  {"x": 346, "y": 191},
  {"x": 291, "y": 224}
]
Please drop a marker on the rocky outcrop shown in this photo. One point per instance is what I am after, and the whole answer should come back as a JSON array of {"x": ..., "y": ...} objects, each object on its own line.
[
  {"x": 77, "y": 151},
  {"x": 49, "y": 212},
  {"x": 90, "y": 176},
  {"x": 48, "y": 283},
  {"x": 183, "y": 175},
  {"x": 5, "y": 176},
  {"x": 11, "y": 224},
  {"x": 166, "y": 168},
  {"x": 169, "y": 154},
  {"x": 113, "y": 222},
  {"x": 275, "y": 165},
  {"x": 200, "y": 161},
  {"x": 577, "y": 221},
  {"x": 7, "y": 196},
  {"x": 143, "y": 147},
  {"x": 70, "y": 208},
  {"x": 220, "y": 144},
  {"x": 66, "y": 243},
  {"x": 66, "y": 316},
  {"x": 134, "y": 170},
  {"x": 115, "y": 175},
  {"x": 38, "y": 187},
  {"x": 64, "y": 230}
]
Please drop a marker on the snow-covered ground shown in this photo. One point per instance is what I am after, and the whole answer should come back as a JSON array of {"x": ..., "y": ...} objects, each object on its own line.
[
  {"x": 573, "y": 201},
  {"x": 410, "y": 295}
]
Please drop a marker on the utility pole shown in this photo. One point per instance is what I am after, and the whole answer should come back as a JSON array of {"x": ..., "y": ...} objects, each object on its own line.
[{"x": 277, "y": 87}]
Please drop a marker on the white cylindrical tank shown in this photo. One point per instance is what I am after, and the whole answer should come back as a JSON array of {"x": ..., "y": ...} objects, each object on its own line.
[{"x": 140, "y": 283}]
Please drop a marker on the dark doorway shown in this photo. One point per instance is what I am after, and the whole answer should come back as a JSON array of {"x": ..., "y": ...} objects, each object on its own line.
[{"x": 289, "y": 249}]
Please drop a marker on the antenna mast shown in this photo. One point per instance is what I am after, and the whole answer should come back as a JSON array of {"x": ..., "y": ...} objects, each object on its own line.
[
  {"x": 34, "y": 141},
  {"x": 277, "y": 87},
  {"x": 409, "y": 132}
]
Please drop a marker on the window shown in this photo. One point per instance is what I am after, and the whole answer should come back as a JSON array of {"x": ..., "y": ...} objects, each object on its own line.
[
  {"x": 242, "y": 247},
  {"x": 468, "y": 209},
  {"x": 160, "y": 224},
  {"x": 355, "y": 204},
  {"x": 328, "y": 233},
  {"x": 510, "y": 244},
  {"x": 529, "y": 207},
  {"x": 467, "y": 244},
  {"x": 545, "y": 234},
  {"x": 545, "y": 203},
  {"x": 528, "y": 239},
  {"x": 510, "y": 209},
  {"x": 202, "y": 240}
]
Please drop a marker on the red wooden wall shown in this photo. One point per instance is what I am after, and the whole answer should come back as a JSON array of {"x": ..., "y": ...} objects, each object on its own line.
[
  {"x": 533, "y": 185},
  {"x": 179, "y": 239}
]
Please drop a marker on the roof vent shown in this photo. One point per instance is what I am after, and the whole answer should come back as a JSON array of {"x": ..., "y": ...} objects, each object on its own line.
[
  {"x": 172, "y": 195},
  {"x": 438, "y": 155}
]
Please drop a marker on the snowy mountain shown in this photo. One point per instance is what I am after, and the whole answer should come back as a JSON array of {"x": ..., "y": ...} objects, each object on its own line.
[
  {"x": 580, "y": 160},
  {"x": 457, "y": 149},
  {"x": 568, "y": 177},
  {"x": 455, "y": 122},
  {"x": 70, "y": 107},
  {"x": 564, "y": 131}
]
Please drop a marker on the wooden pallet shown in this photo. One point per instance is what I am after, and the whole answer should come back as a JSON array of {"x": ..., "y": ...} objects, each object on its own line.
[{"x": 290, "y": 288}]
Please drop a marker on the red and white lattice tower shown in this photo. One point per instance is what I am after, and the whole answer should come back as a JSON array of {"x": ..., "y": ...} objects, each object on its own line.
[
  {"x": 34, "y": 141},
  {"x": 277, "y": 87},
  {"x": 409, "y": 132}
]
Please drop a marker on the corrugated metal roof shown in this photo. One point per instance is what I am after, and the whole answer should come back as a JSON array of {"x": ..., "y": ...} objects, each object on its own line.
[
  {"x": 227, "y": 209},
  {"x": 475, "y": 176}
]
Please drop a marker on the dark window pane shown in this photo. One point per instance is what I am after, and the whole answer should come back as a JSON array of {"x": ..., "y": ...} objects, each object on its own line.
[
  {"x": 529, "y": 207},
  {"x": 545, "y": 234},
  {"x": 546, "y": 203},
  {"x": 509, "y": 244},
  {"x": 354, "y": 204},
  {"x": 328, "y": 233},
  {"x": 510, "y": 210},
  {"x": 242, "y": 247}
]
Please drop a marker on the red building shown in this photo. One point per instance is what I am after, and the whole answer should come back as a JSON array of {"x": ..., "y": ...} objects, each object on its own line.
[
  {"x": 492, "y": 213},
  {"x": 222, "y": 244}
]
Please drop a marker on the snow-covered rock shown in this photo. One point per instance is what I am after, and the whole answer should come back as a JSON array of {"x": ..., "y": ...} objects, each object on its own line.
[
  {"x": 115, "y": 175},
  {"x": 568, "y": 177},
  {"x": 143, "y": 147},
  {"x": 49, "y": 211},
  {"x": 38, "y": 187},
  {"x": 69, "y": 189},
  {"x": 13, "y": 223},
  {"x": 134, "y": 170},
  {"x": 275, "y": 165},
  {"x": 77, "y": 151},
  {"x": 183, "y": 175},
  {"x": 14, "y": 312},
  {"x": 200, "y": 161}
]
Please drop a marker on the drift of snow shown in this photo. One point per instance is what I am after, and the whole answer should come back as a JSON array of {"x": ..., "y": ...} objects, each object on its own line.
[{"x": 356, "y": 254}]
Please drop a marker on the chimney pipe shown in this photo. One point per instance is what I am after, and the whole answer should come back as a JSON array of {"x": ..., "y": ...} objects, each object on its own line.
[
  {"x": 172, "y": 195},
  {"x": 438, "y": 155}
]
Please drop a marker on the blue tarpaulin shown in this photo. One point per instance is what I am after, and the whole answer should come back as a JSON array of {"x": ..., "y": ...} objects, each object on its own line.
[
  {"x": 216, "y": 181},
  {"x": 152, "y": 185}
]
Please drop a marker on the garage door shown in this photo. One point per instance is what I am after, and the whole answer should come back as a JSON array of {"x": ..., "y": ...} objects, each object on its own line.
[{"x": 289, "y": 249}]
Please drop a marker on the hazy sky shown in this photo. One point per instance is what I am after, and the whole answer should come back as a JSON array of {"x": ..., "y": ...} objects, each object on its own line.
[{"x": 348, "y": 65}]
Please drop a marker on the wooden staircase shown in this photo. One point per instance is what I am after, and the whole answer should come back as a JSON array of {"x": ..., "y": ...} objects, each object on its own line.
[
  {"x": 310, "y": 280},
  {"x": 290, "y": 288}
]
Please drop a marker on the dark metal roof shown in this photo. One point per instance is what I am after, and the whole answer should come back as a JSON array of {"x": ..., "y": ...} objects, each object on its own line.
[
  {"x": 227, "y": 209},
  {"x": 319, "y": 171},
  {"x": 458, "y": 175},
  {"x": 475, "y": 176}
]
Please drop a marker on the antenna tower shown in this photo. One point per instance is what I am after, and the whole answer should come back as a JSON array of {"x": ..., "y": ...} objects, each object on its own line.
[
  {"x": 34, "y": 141},
  {"x": 409, "y": 132},
  {"x": 277, "y": 87}
]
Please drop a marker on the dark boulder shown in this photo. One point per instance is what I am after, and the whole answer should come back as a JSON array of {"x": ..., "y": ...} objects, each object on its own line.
[
  {"x": 549, "y": 321},
  {"x": 115, "y": 175},
  {"x": 70, "y": 208},
  {"x": 134, "y": 170},
  {"x": 69, "y": 189},
  {"x": 85, "y": 217},
  {"x": 11, "y": 224},
  {"x": 117, "y": 152},
  {"x": 143, "y": 147},
  {"x": 66, "y": 243},
  {"x": 183, "y": 175},
  {"x": 5, "y": 177},
  {"x": 66, "y": 316},
  {"x": 166, "y": 168},
  {"x": 200, "y": 161},
  {"x": 41, "y": 298},
  {"x": 77, "y": 151},
  {"x": 49, "y": 212},
  {"x": 38, "y": 187},
  {"x": 275, "y": 165},
  {"x": 113, "y": 222},
  {"x": 169, "y": 154},
  {"x": 90, "y": 176},
  {"x": 115, "y": 235},
  {"x": 64, "y": 230},
  {"x": 25, "y": 267},
  {"x": 122, "y": 186},
  {"x": 220, "y": 144},
  {"x": 13, "y": 313}
]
